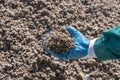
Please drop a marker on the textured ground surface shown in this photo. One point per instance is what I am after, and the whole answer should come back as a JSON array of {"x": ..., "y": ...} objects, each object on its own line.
[{"x": 23, "y": 24}]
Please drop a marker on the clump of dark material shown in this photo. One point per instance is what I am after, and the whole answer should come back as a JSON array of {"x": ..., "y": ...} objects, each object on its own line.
[{"x": 59, "y": 42}]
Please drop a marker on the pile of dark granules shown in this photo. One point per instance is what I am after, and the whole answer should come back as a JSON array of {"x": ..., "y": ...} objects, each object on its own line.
[{"x": 59, "y": 42}]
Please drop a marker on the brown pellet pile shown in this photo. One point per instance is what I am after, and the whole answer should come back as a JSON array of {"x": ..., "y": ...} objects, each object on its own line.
[
  {"x": 24, "y": 23},
  {"x": 59, "y": 42}
]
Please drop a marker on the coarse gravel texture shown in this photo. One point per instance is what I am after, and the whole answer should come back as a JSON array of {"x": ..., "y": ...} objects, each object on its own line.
[
  {"x": 59, "y": 42},
  {"x": 23, "y": 24}
]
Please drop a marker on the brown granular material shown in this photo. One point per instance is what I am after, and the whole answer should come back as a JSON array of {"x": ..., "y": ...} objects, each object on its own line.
[{"x": 59, "y": 42}]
